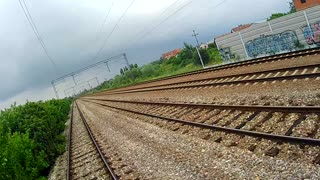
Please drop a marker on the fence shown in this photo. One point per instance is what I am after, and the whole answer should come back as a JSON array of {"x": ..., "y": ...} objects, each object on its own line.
[{"x": 300, "y": 30}]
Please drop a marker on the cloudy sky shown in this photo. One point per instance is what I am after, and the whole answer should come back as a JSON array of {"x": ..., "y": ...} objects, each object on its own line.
[{"x": 73, "y": 31}]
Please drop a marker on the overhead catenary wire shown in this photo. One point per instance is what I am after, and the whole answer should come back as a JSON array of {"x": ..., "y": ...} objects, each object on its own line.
[
  {"x": 162, "y": 13},
  {"x": 111, "y": 32},
  {"x": 104, "y": 21},
  {"x": 36, "y": 32},
  {"x": 174, "y": 13},
  {"x": 171, "y": 5},
  {"x": 146, "y": 33},
  {"x": 222, "y": 2},
  {"x": 167, "y": 18}
]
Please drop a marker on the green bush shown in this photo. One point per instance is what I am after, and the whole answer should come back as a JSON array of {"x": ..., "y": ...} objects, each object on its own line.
[{"x": 31, "y": 138}]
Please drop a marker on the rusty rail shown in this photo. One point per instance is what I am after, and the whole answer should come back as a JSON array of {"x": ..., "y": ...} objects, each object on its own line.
[
  {"x": 110, "y": 170},
  {"x": 69, "y": 144},
  {"x": 184, "y": 85},
  {"x": 275, "y": 137},
  {"x": 231, "y": 65}
]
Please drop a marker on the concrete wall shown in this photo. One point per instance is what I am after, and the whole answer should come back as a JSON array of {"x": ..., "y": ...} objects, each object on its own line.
[{"x": 284, "y": 34}]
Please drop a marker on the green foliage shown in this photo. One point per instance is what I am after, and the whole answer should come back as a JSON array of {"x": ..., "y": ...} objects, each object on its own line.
[
  {"x": 31, "y": 138},
  {"x": 204, "y": 55},
  {"x": 187, "y": 52},
  {"x": 292, "y": 9},
  {"x": 18, "y": 159},
  {"x": 212, "y": 45},
  {"x": 187, "y": 60},
  {"x": 215, "y": 57},
  {"x": 276, "y": 15}
]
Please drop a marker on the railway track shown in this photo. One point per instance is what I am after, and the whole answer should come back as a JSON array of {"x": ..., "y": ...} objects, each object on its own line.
[
  {"x": 85, "y": 158},
  {"x": 173, "y": 79},
  {"x": 281, "y": 74},
  {"x": 268, "y": 129}
]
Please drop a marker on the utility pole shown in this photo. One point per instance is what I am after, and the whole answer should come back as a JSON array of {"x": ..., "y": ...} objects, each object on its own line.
[
  {"x": 74, "y": 92},
  {"x": 107, "y": 65},
  {"x": 97, "y": 81},
  {"x": 89, "y": 85},
  {"x": 127, "y": 62},
  {"x": 195, "y": 36},
  {"x": 75, "y": 83},
  {"x": 54, "y": 89},
  {"x": 197, "y": 47},
  {"x": 126, "y": 59}
]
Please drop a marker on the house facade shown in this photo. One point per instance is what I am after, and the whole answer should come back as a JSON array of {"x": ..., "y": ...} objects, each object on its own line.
[{"x": 305, "y": 4}]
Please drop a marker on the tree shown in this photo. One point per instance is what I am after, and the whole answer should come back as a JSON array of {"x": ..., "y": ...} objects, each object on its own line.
[
  {"x": 148, "y": 70},
  {"x": 187, "y": 52},
  {"x": 212, "y": 45},
  {"x": 204, "y": 55},
  {"x": 292, "y": 8},
  {"x": 276, "y": 15},
  {"x": 135, "y": 65}
]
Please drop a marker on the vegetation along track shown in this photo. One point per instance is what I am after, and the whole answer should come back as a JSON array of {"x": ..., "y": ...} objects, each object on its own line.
[
  {"x": 85, "y": 159},
  {"x": 281, "y": 74},
  {"x": 291, "y": 132},
  {"x": 178, "y": 78}
]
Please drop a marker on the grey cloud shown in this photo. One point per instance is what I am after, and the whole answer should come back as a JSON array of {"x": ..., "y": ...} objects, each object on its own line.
[{"x": 69, "y": 31}]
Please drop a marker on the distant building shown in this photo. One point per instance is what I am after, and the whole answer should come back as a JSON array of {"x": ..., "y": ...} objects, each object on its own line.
[
  {"x": 305, "y": 4},
  {"x": 204, "y": 46},
  {"x": 171, "y": 54},
  {"x": 240, "y": 27},
  {"x": 236, "y": 29}
]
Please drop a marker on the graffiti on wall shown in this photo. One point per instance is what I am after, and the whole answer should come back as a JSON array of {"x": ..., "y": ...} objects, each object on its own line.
[
  {"x": 226, "y": 54},
  {"x": 312, "y": 33},
  {"x": 272, "y": 44}
]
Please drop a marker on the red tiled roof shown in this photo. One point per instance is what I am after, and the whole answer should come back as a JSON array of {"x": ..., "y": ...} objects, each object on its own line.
[
  {"x": 240, "y": 27},
  {"x": 171, "y": 54}
]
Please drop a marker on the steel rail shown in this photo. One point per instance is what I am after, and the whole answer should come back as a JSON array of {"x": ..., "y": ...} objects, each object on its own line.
[
  {"x": 158, "y": 87},
  {"x": 111, "y": 172},
  {"x": 275, "y": 137},
  {"x": 293, "y": 109},
  {"x": 69, "y": 145},
  {"x": 231, "y": 65},
  {"x": 287, "y": 77}
]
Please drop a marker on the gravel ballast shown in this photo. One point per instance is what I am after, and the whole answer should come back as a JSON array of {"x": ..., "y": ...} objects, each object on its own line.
[{"x": 158, "y": 153}]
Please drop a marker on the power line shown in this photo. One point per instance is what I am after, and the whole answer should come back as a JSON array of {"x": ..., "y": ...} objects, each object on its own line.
[
  {"x": 163, "y": 12},
  {"x": 181, "y": 8},
  {"x": 146, "y": 33},
  {"x": 222, "y": 2},
  {"x": 169, "y": 7},
  {"x": 164, "y": 20},
  {"x": 109, "y": 35},
  {"x": 174, "y": 13},
  {"x": 35, "y": 30},
  {"x": 105, "y": 20}
]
